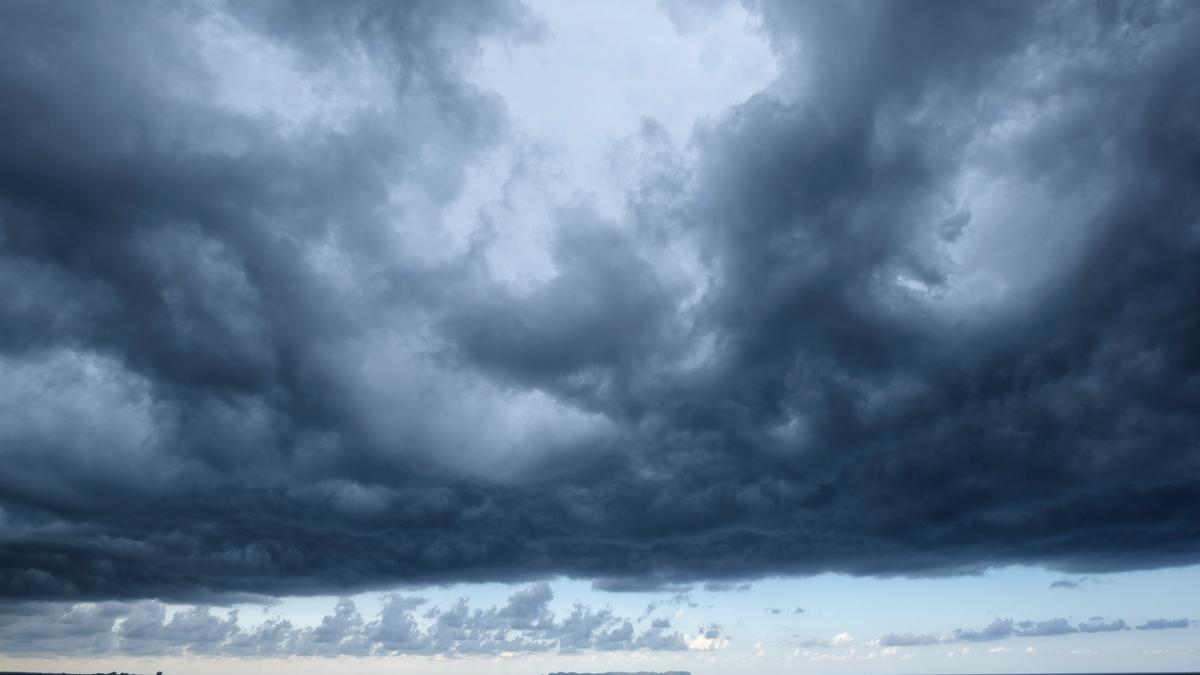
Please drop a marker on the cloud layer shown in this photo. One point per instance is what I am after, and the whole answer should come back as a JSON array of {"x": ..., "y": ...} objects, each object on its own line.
[
  {"x": 404, "y": 626},
  {"x": 1004, "y": 628},
  {"x": 925, "y": 305}
]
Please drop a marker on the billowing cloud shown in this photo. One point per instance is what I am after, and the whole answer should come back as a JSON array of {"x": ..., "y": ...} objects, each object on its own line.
[
  {"x": 923, "y": 306},
  {"x": 525, "y": 624},
  {"x": 998, "y": 628}
]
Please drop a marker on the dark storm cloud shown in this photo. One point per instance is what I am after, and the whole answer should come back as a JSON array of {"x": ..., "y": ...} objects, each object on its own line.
[
  {"x": 639, "y": 585},
  {"x": 525, "y": 624},
  {"x": 726, "y": 587},
  {"x": 946, "y": 315}
]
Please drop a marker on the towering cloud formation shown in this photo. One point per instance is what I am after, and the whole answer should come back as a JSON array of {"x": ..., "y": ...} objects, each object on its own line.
[{"x": 926, "y": 304}]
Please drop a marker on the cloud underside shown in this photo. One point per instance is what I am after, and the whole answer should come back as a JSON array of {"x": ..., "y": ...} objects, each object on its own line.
[{"x": 924, "y": 305}]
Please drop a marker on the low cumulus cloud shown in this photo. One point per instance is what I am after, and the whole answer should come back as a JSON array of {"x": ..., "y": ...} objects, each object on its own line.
[
  {"x": 1001, "y": 628},
  {"x": 404, "y": 625},
  {"x": 923, "y": 305},
  {"x": 909, "y": 639},
  {"x": 1163, "y": 624},
  {"x": 1098, "y": 624}
]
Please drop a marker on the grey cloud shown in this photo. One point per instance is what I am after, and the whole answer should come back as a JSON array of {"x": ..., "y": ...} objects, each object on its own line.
[
  {"x": 1162, "y": 624},
  {"x": 726, "y": 587},
  {"x": 59, "y": 627},
  {"x": 246, "y": 355},
  {"x": 998, "y": 628},
  {"x": 1001, "y": 628},
  {"x": 639, "y": 585},
  {"x": 1097, "y": 624},
  {"x": 523, "y": 625},
  {"x": 1057, "y": 626},
  {"x": 1072, "y": 583},
  {"x": 908, "y": 640}
]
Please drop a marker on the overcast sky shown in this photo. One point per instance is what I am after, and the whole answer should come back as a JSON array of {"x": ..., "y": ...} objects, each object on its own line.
[{"x": 513, "y": 337}]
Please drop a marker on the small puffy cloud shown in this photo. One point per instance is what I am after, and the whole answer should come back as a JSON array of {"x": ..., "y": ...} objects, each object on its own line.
[{"x": 707, "y": 638}]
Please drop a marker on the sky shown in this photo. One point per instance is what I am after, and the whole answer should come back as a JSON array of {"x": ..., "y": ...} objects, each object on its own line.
[{"x": 520, "y": 337}]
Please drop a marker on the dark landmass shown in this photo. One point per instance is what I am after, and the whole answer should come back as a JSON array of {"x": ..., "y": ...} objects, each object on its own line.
[{"x": 111, "y": 672}]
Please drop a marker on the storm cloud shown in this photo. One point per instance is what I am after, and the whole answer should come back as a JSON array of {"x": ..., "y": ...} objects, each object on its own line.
[{"x": 925, "y": 305}]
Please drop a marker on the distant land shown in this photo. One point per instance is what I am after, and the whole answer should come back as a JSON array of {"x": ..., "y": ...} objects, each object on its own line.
[
  {"x": 640, "y": 672},
  {"x": 24, "y": 673},
  {"x": 111, "y": 672}
]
